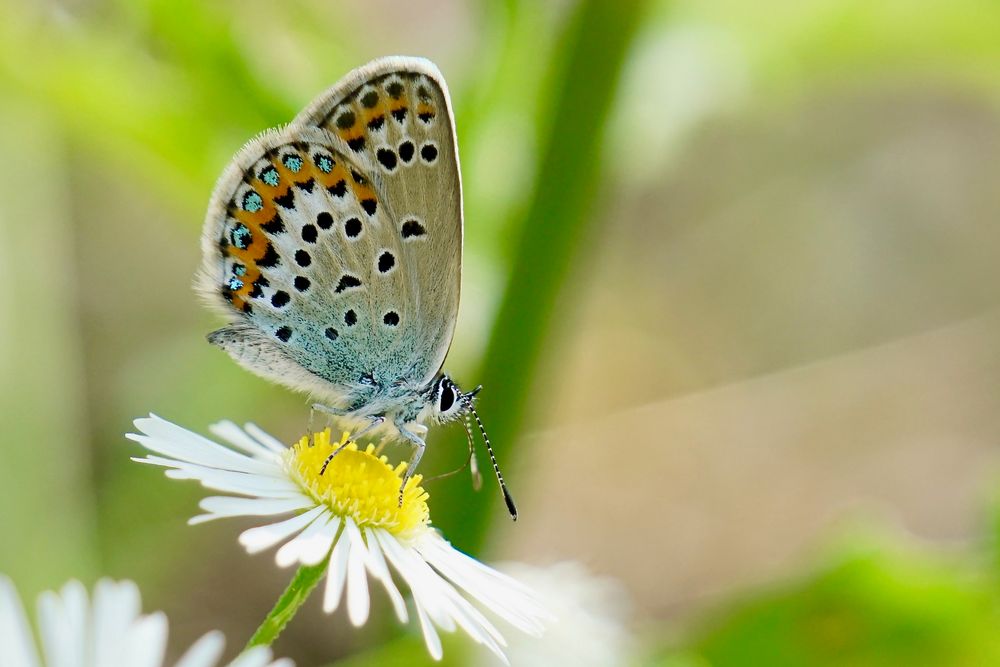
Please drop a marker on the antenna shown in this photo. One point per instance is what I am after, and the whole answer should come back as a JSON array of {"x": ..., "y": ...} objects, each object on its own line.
[
  {"x": 507, "y": 498},
  {"x": 477, "y": 479}
]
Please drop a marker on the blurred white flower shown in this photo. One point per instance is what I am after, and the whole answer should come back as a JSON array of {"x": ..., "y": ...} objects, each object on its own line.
[
  {"x": 349, "y": 517},
  {"x": 591, "y": 613},
  {"x": 108, "y": 631}
]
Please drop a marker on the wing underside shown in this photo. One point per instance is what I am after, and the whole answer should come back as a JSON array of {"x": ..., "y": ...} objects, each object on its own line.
[{"x": 338, "y": 238}]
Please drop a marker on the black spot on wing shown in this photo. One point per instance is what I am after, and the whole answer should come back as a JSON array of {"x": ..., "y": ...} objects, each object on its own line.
[
  {"x": 347, "y": 281},
  {"x": 386, "y": 261},
  {"x": 338, "y": 189},
  {"x": 324, "y": 219},
  {"x": 270, "y": 258},
  {"x": 287, "y": 200},
  {"x": 352, "y": 228},
  {"x": 274, "y": 225},
  {"x": 406, "y": 150},
  {"x": 280, "y": 299},
  {"x": 411, "y": 229},
  {"x": 387, "y": 158},
  {"x": 345, "y": 121}
]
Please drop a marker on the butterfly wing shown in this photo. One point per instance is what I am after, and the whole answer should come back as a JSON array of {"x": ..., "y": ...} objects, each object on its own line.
[
  {"x": 395, "y": 115},
  {"x": 339, "y": 266}
]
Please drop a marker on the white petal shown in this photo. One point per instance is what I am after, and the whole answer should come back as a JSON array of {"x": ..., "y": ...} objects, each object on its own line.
[
  {"x": 227, "y": 481},
  {"x": 422, "y": 588},
  {"x": 358, "y": 602},
  {"x": 237, "y": 437},
  {"x": 218, "y": 507},
  {"x": 64, "y": 624},
  {"x": 257, "y": 539},
  {"x": 146, "y": 643},
  {"x": 380, "y": 571},
  {"x": 443, "y": 603},
  {"x": 115, "y": 606},
  {"x": 178, "y": 443},
  {"x": 311, "y": 545},
  {"x": 17, "y": 647},
  {"x": 501, "y": 594},
  {"x": 265, "y": 438},
  {"x": 205, "y": 652},
  {"x": 431, "y": 637},
  {"x": 472, "y": 621},
  {"x": 336, "y": 574},
  {"x": 432, "y": 540}
]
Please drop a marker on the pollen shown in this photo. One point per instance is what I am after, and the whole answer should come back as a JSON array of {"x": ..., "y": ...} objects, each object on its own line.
[{"x": 359, "y": 484}]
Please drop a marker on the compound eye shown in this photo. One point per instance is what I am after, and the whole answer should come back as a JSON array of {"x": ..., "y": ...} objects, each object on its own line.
[{"x": 447, "y": 398}]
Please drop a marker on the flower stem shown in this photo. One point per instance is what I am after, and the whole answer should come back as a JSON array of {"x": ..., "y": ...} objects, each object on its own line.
[{"x": 288, "y": 604}]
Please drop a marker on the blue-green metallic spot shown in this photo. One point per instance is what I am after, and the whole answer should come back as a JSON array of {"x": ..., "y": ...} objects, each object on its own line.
[
  {"x": 234, "y": 283},
  {"x": 292, "y": 162},
  {"x": 325, "y": 164},
  {"x": 240, "y": 236},
  {"x": 239, "y": 269},
  {"x": 252, "y": 202},
  {"x": 270, "y": 176}
]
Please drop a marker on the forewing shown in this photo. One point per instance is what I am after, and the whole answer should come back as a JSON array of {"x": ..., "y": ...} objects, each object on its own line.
[{"x": 395, "y": 116}]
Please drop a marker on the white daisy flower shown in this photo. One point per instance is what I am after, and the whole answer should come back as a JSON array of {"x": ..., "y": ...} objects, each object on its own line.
[
  {"x": 107, "y": 631},
  {"x": 348, "y": 517}
]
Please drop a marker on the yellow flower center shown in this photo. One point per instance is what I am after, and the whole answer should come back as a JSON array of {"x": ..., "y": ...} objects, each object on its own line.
[{"x": 359, "y": 484}]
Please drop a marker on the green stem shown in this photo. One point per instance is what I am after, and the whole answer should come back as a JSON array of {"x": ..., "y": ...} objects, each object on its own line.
[
  {"x": 559, "y": 225},
  {"x": 288, "y": 604}
]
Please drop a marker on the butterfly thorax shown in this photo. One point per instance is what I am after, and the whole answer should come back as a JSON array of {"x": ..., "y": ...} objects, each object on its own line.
[
  {"x": 438, "y": 401},
  {"x": 398, "y": 402}
]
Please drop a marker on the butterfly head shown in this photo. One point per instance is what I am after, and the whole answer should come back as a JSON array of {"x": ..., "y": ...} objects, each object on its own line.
[{"x": 447, "y": 402}]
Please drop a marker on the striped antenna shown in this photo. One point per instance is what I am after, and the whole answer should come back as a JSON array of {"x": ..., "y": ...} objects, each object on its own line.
[{"x": 507, "y": 498}]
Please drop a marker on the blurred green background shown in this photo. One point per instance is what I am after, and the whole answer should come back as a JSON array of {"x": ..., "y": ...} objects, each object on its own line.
[{"x": 731, "y": 285}]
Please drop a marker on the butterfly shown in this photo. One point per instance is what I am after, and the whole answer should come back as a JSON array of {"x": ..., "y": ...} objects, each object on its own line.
[{"x": 333, "y": 246}]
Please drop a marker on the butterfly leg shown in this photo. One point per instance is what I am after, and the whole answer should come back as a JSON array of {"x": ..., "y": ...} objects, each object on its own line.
[
  {"x": 375, "y": 423},
  {"x": 325, "y": 409},
  {"x": 418, "y": 451}
]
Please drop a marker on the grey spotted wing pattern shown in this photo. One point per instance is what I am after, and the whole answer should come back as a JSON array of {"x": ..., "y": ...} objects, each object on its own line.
[
  {"x": 395, "y": 115},
  {"x": 338, "y": 265}
]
